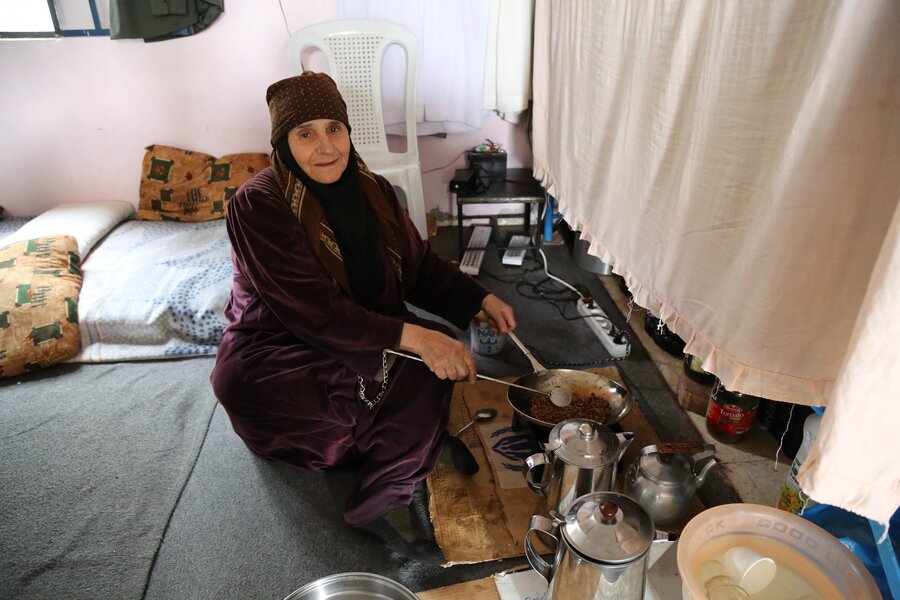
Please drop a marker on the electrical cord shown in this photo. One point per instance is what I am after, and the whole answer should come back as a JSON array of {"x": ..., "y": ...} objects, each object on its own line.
[
  {"x": 448, "y": 165},
  {"x": 284, "y": 18},
  {"x": 560, "y": 299},
  {"x": 547, "y": 290},
  {"x": 484, "y": 179}
]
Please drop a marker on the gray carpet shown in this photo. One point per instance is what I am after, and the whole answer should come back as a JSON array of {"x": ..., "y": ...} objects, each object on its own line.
[
  {"x": 127, "y": 481},
  {"x": 93, "y": 459},
  {"x": 249, "y": 528}
]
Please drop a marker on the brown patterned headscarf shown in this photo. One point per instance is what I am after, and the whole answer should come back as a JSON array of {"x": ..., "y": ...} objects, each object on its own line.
[{"x": 297, "y": 100}]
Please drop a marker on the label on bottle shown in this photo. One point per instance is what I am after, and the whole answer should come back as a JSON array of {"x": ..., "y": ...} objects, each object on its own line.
[
  {"x": 729, "y": 418},
  {"x": 792, "y": 498}
]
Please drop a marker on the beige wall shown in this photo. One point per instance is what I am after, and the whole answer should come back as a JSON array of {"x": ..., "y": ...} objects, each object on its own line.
[{"x": 76, "y": 113}]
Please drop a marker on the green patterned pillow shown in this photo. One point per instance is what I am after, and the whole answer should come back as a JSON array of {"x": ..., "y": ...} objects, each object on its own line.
[
  {"x": 181, "y": 185},
  {"x": 40, "y": 280}
]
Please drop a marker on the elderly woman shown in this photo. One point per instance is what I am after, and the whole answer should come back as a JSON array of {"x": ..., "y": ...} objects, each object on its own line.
[{"x": 325, "y": 259}]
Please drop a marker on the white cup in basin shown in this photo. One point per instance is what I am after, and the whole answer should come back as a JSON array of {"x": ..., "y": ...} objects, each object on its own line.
[{"x": 749, "y": 568}]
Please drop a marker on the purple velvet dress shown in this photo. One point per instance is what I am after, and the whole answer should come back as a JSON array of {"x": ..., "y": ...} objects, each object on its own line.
[{"x": 286, "y": 369}]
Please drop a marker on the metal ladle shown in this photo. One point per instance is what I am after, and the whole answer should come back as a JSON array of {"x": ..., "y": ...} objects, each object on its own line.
[
  {"x": 480, "y": 376},
  {"x": 484, "y": 414},
  {"x": 558, "y": 394}
]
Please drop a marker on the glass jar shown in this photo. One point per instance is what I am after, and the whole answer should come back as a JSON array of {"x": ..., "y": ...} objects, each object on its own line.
[
  {"x": 693, "y": 368},
  {"x": 730, "y": 415}
]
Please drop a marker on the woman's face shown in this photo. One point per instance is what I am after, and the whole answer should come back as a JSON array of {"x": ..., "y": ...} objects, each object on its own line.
[{"x": 322, "y": 148}]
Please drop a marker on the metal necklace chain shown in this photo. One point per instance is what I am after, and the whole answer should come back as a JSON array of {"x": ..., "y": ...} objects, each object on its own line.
[{"x": 384, "y": 382}]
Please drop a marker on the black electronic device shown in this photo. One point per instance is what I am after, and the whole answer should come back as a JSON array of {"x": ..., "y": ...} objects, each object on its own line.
[
  {"x": 464, "y": 182},
  {"x": 488, "y": 165}
]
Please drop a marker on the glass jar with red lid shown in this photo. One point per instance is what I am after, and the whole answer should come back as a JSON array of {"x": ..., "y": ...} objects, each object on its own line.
[{"x": 730, "y": 415}]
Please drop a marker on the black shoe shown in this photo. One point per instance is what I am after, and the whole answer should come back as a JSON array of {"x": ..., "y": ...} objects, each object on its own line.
[
  {"x": 419, "y": 515},
  {"x": 663, "y": 336},
  {"x": 397, "y": 530},
  {"x": 456, "y": 454}
]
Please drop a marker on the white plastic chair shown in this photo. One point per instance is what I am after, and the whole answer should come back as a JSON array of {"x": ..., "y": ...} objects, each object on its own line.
[{"x": 354, "y": 50}]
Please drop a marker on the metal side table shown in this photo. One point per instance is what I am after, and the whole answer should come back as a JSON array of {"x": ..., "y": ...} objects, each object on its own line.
[{"x": 519, "y": 187}]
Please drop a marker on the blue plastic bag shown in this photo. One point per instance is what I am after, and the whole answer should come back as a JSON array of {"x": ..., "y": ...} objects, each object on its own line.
[{"x": 856, "y": 533}]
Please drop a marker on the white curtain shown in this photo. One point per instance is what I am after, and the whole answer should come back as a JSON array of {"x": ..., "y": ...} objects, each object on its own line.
[
  {"x": 739, "y": 164},
  {"x": 474, "y": 56},
  {"x": 452, "y": 41},
  {"x": 507, "y": 73}
]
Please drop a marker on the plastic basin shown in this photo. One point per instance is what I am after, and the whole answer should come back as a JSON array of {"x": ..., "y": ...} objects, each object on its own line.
[{"x": 800, "y": 548}]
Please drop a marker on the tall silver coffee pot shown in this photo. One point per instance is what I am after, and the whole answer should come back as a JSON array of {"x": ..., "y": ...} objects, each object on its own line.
[
  {"x": 601, "y": 549},
  {"x": 579, "y": 457}
]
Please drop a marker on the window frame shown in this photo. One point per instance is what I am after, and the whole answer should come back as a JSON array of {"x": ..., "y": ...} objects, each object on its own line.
[{"x": 97, "y": 31}]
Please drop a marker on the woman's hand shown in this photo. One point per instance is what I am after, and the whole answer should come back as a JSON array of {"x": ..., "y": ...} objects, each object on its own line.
[
  {"x": 500, "y": 313},
  {"x": 447, "y": 357}
]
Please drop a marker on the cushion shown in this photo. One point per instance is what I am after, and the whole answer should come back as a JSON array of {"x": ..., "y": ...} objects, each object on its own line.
[
  {"x": 181, "y": 185},
  {"x": 87, "y": 222},
  {"x": 40, "y": 280}
]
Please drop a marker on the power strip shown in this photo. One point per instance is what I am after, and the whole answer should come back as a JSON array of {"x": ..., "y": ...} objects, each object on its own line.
[
  {"x": 515, "y": 254},
  {"x": 471, "y": 260},
  {"x": 603, "y": 328}
]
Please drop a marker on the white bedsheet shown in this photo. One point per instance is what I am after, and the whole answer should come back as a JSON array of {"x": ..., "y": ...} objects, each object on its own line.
[{"x": 155, "y": 289}]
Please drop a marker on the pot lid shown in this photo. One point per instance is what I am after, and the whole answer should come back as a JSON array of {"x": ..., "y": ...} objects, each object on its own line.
[
  {"x": 608, "y": 527},
  {"x": 583, "y": 443},
  {"x": 672, "y": 469}
]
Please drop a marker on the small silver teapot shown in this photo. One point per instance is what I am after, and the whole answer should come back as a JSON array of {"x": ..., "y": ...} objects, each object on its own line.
[{"x": 664, "y": 478}]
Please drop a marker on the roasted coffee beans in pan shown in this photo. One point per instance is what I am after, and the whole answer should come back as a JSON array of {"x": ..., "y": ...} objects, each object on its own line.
[{"x": 590, "y": 407}]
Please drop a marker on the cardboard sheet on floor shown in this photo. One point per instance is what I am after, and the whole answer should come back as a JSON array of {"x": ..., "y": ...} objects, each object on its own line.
[{"x": 485, "y": 516}]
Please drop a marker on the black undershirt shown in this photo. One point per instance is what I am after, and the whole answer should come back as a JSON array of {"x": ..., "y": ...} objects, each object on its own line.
[{"x": 351, "y": 218}]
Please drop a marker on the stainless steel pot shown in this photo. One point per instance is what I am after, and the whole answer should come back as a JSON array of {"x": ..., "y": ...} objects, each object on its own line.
[
  {"x": 358, "y": 586},
  {"x": 601, "y": 549},
  {"x": 579, "y": 384},
  {"x": 580, "y": 457}
]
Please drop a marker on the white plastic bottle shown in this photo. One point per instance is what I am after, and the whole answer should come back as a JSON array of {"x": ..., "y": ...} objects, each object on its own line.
[{"x": 791, "y": 499}]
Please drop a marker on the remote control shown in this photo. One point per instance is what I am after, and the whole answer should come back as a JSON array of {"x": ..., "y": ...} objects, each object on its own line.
[
  {"x": 472, "y": 259},
  {"x": 515, "y": 254}
]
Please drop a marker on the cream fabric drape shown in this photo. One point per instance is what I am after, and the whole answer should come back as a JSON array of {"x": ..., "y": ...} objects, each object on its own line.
[
  {"x": 854, "y": 461},
  {"x": 739, "y": 164}
]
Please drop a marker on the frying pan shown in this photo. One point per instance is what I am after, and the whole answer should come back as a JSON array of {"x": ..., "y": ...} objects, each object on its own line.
[{"x": 579, "y": 384}]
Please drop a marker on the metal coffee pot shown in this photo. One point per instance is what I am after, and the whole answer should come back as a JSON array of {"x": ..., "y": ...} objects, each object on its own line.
[
  {"x": 579, "y": 457},
  {"x": 601, "y": 549},
  {"x": 664, "y": 478}
]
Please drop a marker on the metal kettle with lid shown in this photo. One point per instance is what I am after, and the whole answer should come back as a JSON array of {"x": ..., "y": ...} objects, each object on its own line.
[
  {"x": 602, "y": 546},
  {"x": 664, "y": 478},
  {"x": 579, "y": 457}
]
